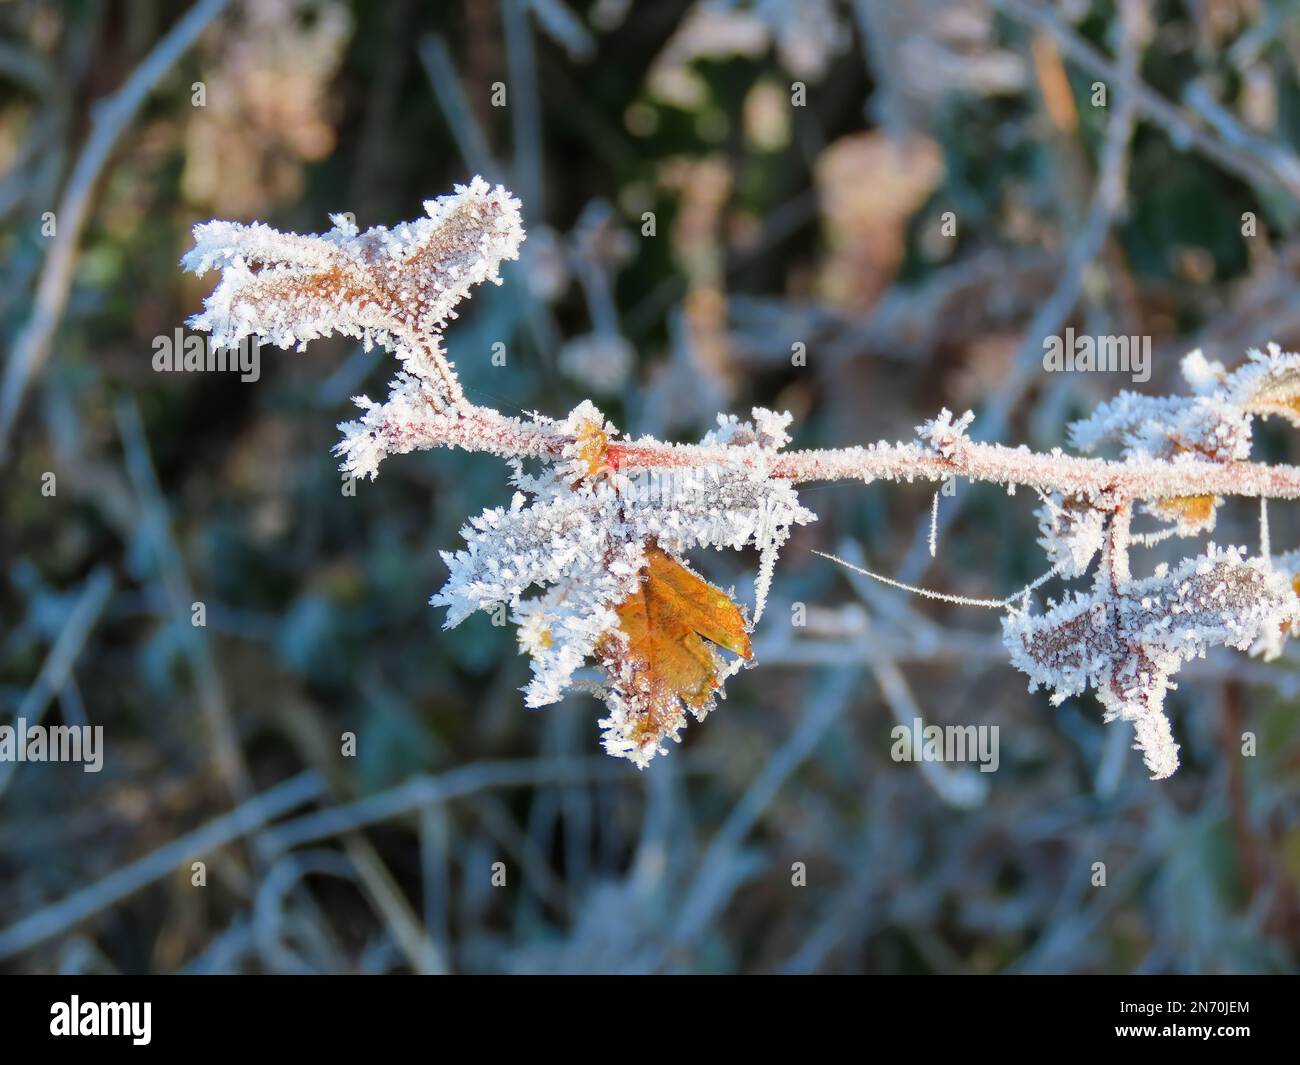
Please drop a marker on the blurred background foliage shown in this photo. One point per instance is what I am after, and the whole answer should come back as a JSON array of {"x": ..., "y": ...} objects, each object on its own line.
[{"x": 916, "y": 192}]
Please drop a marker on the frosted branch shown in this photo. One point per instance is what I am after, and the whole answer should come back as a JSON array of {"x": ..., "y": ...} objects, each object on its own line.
[{"x": 589, "y": 557}]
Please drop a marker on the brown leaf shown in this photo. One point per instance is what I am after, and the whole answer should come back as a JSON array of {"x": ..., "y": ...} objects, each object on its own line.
[
  {"x": 667, "y": 658},
  {"x": 1193, "y": 514}
]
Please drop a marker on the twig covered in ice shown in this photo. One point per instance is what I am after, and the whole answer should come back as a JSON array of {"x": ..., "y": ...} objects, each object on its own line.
[{"x": 589, "y": 557}]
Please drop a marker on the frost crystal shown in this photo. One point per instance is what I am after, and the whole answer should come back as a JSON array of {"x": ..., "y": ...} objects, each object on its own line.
[
  {"x": 943, "y": 434},
  {"x": 1071, "y": 531}
]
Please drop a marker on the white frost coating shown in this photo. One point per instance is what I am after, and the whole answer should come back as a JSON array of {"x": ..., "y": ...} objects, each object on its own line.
[
  {"x": 1214, "y": 425},
  {"x": 777, "y": 505},
  {"x": 1267, "y": 383},
  {"x": 1204, "y": 428},
  {"x": 1071, "y": 533},
  {"x": 392, "y": 287},
  {"x": 1201, "y": 375},
  {"x": 1128, "y": 642},
  {"x": 1270, "y": 641}
]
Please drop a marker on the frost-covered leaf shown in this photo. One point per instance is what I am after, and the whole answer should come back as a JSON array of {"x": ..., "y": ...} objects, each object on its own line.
[
  {"x": 1212, "y": 425},
  {"x": 1267, "y": 383},
  {"x": 603, "y": 545},
  {"x": 1195, "y": 428},
  {"x": 1127, "y": 643},
  {"x": 660, "y": 661},
  {"x": 395, "y": 287},
  {"x": 1272, "y": 639}
]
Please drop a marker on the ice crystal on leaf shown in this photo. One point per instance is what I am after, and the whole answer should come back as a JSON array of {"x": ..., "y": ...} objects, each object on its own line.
[
  {"x": 393, "y": 287},
  {"x": 1268, "y": 383},
  {"x": 1128, "y": 642}
]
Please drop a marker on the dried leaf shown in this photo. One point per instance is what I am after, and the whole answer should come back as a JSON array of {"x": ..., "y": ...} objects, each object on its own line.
[
  {"x": 1268, "y": 383},
  {"x": 667, "y": 621},
  {"x": 1192, "y": 514},
  {"x": 590, "y": 449},
  {"x": 662, "y": 658}
]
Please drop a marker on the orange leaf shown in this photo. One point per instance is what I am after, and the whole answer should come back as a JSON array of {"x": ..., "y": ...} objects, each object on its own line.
[
  {"x": 1192, "y": 513},
  {"x": 670, "y": 623},
  {"x": 591, "y": 448}
]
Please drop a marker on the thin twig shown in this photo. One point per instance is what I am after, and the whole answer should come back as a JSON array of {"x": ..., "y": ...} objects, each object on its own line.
[
  {"x": 423, "y": 791},
  {"x": 440, "y": 67},
  {"x": 178, "y": 598},
  {"x": 483, "y": 430},
  {"x": 715, "y": 879}
]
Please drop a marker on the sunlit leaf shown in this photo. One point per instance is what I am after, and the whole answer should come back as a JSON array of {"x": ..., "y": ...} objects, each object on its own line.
[{"x": 663, "y": 658}]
